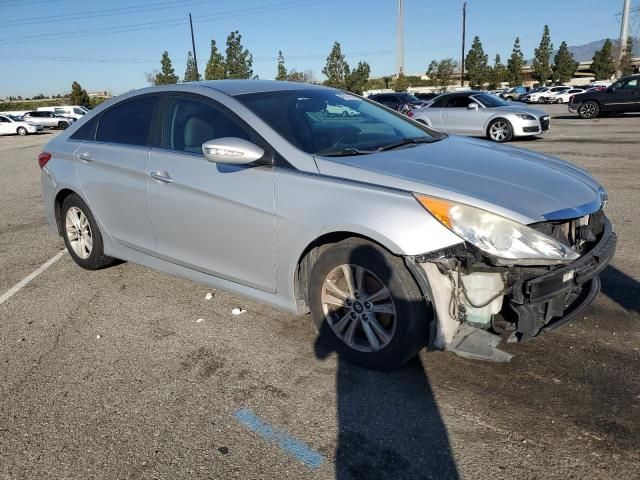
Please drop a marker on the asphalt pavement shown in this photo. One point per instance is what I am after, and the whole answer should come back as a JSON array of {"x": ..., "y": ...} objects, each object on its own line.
[{"x": 128, "y": 373}]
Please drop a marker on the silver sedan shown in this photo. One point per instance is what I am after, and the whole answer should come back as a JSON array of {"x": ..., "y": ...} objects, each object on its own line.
[
  {"x": 394, "y": 236},
  {"x": 480, "y": 114}
]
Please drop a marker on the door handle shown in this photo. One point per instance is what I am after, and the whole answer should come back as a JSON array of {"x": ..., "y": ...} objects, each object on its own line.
[
  {"x": 161, "y": 176},
  {"x": 85, "y": 156}
]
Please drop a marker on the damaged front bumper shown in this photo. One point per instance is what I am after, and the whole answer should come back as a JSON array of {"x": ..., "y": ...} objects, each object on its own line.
[{"x": 530, "y": 298}]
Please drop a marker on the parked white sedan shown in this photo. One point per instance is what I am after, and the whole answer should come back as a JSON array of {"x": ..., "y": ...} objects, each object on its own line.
[
  {"x": 12, "y": 125},
  {"x": 563, "y": 96}
]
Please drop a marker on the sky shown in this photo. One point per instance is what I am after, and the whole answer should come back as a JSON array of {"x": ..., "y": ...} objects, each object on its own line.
[{"x": 47, "y": 44}]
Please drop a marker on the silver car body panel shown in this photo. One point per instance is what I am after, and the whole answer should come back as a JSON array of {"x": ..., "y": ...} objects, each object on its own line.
[{"x": 245, "y": 228}]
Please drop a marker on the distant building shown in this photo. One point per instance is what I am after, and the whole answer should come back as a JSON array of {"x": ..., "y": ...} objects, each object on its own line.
[{"x": 100, "y": 94}]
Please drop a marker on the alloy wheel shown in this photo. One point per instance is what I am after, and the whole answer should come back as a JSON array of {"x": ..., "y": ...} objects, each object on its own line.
[
  {"x": 588, "y": 110},
  {"x": 359, "y": 308},
  {"x": 499, "y": 131},
  {"x": 78, "y": 232}
]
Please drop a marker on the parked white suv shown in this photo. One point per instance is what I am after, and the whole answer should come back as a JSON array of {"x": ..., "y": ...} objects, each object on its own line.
[
  {"x": 73, "y": 111},
  {"x": 48, "y": 119}
]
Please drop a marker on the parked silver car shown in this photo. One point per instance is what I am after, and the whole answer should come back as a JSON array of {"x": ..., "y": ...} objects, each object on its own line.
[
  {"x": 48, "y": 119},
  {"x": 393, "y": 235},
  {"x": 480, "y": 114}
]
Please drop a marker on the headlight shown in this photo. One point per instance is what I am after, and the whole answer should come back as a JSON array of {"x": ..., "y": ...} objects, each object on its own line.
[
  {"x": 525, "y": 116},
  {"x": 496, "y": 235}
]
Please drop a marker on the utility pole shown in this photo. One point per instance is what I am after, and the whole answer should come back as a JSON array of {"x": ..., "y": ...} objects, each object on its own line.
[
  {"x": 624, "y": 34},
  {"x": 400, "y": 52},
  {"x": 464, "y": 31},
  {"x": 193, "y": 46}
]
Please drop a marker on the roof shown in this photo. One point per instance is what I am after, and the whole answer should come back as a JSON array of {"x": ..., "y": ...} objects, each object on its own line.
[{"x": 240, "y": 87}]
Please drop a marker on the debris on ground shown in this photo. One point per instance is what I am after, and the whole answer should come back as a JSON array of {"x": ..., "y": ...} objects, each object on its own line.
[
  {"x": 238, "y": 311},
  {"x": 200, "y": 320},
  {"x": 208, "y": 296},
  {"x": 98, "y": 337}
]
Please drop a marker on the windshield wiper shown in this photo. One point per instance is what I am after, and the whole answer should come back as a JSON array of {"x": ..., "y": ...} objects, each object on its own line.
[
  {"x": 347, "y": 152},
  {"x": 407, "y": 141}
]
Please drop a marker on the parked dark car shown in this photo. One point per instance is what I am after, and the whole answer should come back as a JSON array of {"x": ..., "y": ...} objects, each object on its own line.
[
  {"x": 397, "y": 100},
  {"x": 622, "y": 96}
]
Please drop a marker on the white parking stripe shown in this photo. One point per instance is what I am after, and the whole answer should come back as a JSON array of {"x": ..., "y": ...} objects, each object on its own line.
[{"x": 25, "y": 281}]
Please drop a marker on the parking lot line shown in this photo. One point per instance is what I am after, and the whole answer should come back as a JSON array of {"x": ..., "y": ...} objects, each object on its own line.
[
  {"x": 297, "y": 449},
  {"x": 25, "y": 281}
]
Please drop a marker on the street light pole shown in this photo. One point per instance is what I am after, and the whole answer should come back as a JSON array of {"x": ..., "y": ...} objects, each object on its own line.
[
  {"x": 464, "y": 28},
  {"x": 193, "y": 46},
  {"x": 624, "y": 34}
]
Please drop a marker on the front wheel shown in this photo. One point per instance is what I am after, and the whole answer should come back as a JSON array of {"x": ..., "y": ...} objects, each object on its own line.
[
  {"x": 367, "y": 306},
  {"x": 500, "y": 131},
  {"x": 559, "y": 100},
  {"x": 21, "y": 131},
  {"x": 82, "y": 235},
  {"x": 589, "y": 110},
  {"x": 62, "y": 125}
]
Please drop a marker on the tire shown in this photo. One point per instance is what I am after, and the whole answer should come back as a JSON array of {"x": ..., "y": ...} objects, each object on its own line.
[
  {"x": 559, "y": 100},
  {"x": 509, "y": 99},
  {"x": 345, "y": 114},
  {"x": 62, "y": 125},
  {"x": 21, "y": 131},
  {"x": 589, "y": 110},
  {"x": 500, "y": 131},
  {"x": 86, "y": 249},
  {"x": 382, "y": 340}
]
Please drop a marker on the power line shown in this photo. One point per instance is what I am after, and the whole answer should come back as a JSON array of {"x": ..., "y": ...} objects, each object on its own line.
[
  {"x": 102, "y": 13},
  {"x": 160, "y": 23}
]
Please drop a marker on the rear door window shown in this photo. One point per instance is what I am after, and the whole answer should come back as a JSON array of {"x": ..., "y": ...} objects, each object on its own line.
[
  {"x": 459, "y": 102},
  {"x": 128, "y": 123}
]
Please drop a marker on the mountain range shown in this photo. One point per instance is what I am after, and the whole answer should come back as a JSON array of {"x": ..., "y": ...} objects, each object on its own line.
[{"x": 585, "y": 51}]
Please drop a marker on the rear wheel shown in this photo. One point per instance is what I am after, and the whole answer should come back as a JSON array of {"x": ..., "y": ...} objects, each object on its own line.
[
  {"x": 589, "y": 109},
  {"x": 500, "y": 130},
  {"x": 559, "y": 100},
  {"x": 62, "y": 125},
  {"x": 367, "y": 306},
  {"x": 21, "y": 131},
  {"x": 82, "y": 235}
]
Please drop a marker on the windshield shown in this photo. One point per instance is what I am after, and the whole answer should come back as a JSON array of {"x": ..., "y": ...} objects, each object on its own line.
[
  {"x": 316, "y": 121},
  {"x": 78, "y": 111},
  {"x": 490, "y": 101}
]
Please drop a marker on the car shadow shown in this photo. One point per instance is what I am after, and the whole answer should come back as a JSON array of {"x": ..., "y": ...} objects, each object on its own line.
[
  {"x": 389, "y": 423},
  {"x": 621, "y": 288}
]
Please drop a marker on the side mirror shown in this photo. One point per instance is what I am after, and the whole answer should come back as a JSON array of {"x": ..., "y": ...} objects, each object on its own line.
[
  {"x": 231, "y": 150},
  {"x": 472, "y": 106}
]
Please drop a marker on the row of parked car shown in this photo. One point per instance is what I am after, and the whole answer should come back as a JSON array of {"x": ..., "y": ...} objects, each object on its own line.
[
  {"x": 497, "y": 116},
  {"x": 36, "y": 121}
]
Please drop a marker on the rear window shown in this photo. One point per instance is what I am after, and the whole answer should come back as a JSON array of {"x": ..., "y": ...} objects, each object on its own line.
[{"x": 127, "y": 123}]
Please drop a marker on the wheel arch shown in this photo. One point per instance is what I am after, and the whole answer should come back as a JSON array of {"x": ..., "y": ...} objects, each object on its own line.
[
  {"x": 495, "y": 119},
  {"x": 312, "y": 252},
  {"x": 57, "y": 205}
]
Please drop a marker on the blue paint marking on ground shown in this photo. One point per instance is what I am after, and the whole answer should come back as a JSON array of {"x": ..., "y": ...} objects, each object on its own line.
[{"x": 293, "y": 447}]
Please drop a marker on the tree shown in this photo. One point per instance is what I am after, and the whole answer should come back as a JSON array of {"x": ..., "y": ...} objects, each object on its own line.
[
  {"x": 541, "y": 67},
  {"x": 441, "y": 72},
  {"x": 336, "y": 68},
  {"x": 302, "y": 77},
  {"x": 476, "y": 64},
  {"x": 515, "y": 64},
  {"x": 626, "y": 62},
  {"x": 282, "y": 71},
  {"x": 564, "y": 66},
  {"x": 602, "y": 66},
  {"x": 238, "y": 60},
  {"x": 191, "y": 73},
  {"x": 498, "y": 73},
  {"x": 79, "y": 96},
  {"x": 357, "y": 79},
  {"x": 216, "y": 69},
  {"x": 166, "y": 76},
  {"x": 401, "y": 84}
]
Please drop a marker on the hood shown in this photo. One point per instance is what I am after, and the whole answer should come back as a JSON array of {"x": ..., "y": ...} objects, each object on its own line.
[{"x": 524, "y": 186}]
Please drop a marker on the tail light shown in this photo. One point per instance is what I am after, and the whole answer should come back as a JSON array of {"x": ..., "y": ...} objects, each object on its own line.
[
  {"x": 43, "y": 158},
  {"x": 410, "y": 114}
]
